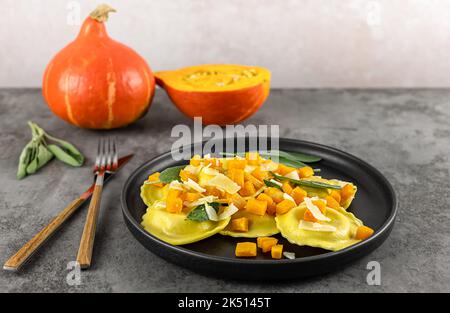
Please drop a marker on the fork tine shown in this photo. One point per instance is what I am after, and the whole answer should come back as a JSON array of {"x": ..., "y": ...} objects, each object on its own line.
[
  {"x": 109, "y": 155},
  {"x": 97, "y": 158},
  {"x": 115, "y": 155},
  {"x": 103, "y": 155}
]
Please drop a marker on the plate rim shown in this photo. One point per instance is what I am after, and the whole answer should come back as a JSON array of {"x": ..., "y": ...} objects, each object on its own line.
[{"x": 386, "y": 227}]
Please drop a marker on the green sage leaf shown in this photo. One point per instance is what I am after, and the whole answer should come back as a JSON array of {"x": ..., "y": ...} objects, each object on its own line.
[
  {"x": 64, "y": 156},
  {"x": 298, "y": 157},
  {"x": 24, "y": 160},
  {"x": 41, "y": 157},
  {"x": 67, "y": 149},
  {"x": 291, "y": 163},
  {"x": 307, "y": 183},
  {"x": 199, "y": 213},
  {"x": 170, "y": 174}
]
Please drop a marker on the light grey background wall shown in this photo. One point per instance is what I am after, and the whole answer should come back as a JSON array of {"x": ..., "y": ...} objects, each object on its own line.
[{"x": 305, "y": 43}]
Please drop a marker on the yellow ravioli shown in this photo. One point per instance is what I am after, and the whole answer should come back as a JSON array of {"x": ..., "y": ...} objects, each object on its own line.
[{"x": 345, "y": 224}]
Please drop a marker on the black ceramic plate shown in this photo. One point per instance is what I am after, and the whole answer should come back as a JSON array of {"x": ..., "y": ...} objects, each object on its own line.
[{"x": 375, "y": 204}]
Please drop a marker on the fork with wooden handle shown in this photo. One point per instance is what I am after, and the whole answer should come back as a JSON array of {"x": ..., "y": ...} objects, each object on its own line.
[{"x": 105, "y": 162}]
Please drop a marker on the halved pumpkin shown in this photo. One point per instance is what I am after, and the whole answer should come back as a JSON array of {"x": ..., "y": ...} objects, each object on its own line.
[{"x": 219, "y": 93}]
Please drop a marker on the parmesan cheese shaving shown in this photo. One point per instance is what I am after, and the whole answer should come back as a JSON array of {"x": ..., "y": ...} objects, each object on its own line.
[
  {"x": 292, "y": 175},
  {"x": 212, "y": 215},
  {"x": 289, "y": 255},
  {"x": 269, "y": 166},
  {"x": 228, "y": 211},
  {"x": 315, "y": 211},
  {"x": 249, "y": 168},
  {"x": 207, "y": 199},
  {"x": 210, "y": 171},
  {"x": 288, "y": 197},
  {"x": 316, "y": 226},
  {"x": 175, "y": 184},
  {"x": 224, "y": 183},
  {"x": 276, "y": 182},
  {"x": 193, "y": 169},
  {"x": 159, "y": 205},
  {"x": 193, "y": 185}
]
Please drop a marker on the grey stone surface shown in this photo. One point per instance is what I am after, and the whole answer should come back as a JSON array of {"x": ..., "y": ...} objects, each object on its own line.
[{"x": 404, "y": 133}]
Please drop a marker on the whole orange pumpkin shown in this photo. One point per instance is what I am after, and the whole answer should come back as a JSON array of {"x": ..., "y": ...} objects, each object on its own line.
[{"x": 97, "y": 82}]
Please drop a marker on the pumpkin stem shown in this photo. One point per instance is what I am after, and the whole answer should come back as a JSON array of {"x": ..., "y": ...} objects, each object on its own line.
[{"x": 101, "y": 13}]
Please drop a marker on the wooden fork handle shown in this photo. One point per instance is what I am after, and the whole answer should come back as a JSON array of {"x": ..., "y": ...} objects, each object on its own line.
[
  {"x": 84, "y": 256},
  {"x": 24, "y": 254}
]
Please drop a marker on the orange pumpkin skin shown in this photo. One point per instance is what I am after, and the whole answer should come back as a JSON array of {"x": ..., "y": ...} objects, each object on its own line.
[
  {"x": 221, "y": 107},
  {"x": 97, "y": 82}
]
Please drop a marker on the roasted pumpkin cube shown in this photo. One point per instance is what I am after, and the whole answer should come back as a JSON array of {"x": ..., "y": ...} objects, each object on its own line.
[
  {"x": 284, "y": 206},
  {"x": 258, "y": 173},
  {"x": 363, "y": 232},
  {"x": 305, "y": 172},
  {"x": 236, "y": 163},
  {"x": 174, "y": 205},
  {"x": 259, "y": 240},
  {"x": 212, "y": 162},
  {"x": 332, "y": 203},
  {"x": 346, "y": 192},
  {"x": 256, "y": 182},
  {"x": 275, "y": 193},
  {"x": 267, "y": 244},
  {"x": 237, "y": 175},
  {"x": 287, "y": 188},
  {"x": 336, "y": 194},
  {"x": 239, "y": 224},
  {"x": 192, "y": 196},
  {"x": 245, "y": 249},
  {"x": 277, "y": 251},
  {"x": 247, "y": 190},
  {"x": 265, "y": 197},
  {"x": 321, "y": 205},
  {"x": 298, "y": 194},
  {"x": 185, "y": 175},
  {"x": 213, "y": 191},
  {"x": 252, "y": 158},
  {"x": 284, "y": 169},
  {"x": 195, "y": 160},
  {"x": 256, "y": 207},
  {"x": 309, "y": 217},
  {"x": 271, "y": 208},
  {"x": 173, "y": 193},
  {"x": 155, "y": 177},
  {"x": 237, "y": 200}
]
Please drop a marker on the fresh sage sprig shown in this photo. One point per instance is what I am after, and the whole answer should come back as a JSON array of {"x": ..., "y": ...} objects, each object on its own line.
[
  {"x": 307, "y": 183},
  {"x": 199, "y": 213},
  {"x": 41, "y": 149}
]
